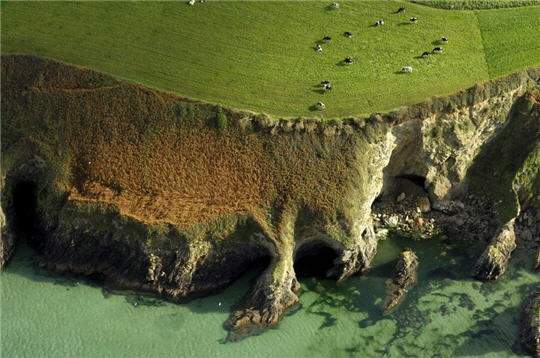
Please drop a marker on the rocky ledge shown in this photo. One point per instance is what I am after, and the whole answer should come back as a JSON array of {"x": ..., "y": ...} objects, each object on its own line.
[{"x": 163, "y": 194}]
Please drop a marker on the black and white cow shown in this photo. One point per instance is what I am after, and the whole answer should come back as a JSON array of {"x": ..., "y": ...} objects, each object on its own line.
[
  {"x": 400, "y": 10},
  {"x": 406, "y": 69},
  {"x": 327, "y": 39},
  {"x": 413, "y": 20},
  {"x": 348, "y": 61},
  {"x": 425, "y": 54},
  {"x": 437, "y": 49},
  {"x": 347, "y": 34},
  {"x": 379, "y": 22}
]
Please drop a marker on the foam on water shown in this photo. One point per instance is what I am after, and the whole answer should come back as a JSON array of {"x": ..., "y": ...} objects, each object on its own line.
[{"x": 445, "y": 315}]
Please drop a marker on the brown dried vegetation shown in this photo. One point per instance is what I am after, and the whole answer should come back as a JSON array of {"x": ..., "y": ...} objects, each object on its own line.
[{"x": 160, "y": 158}]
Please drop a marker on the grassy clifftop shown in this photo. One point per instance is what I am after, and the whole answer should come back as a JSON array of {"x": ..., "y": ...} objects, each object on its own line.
[{"x": 259, "y": 55}]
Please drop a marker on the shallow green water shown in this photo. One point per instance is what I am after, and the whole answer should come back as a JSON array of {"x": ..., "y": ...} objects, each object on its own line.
[{"x": 445, "y": 315}]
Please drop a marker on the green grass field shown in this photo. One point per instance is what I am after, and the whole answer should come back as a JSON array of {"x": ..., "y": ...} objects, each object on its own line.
[
  {"x": 476, "y": 4},
  {"x": 259, "y": 55}
]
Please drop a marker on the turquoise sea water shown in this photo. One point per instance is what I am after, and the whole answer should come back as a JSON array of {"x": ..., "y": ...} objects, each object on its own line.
[{"x": 445, "y": 315}]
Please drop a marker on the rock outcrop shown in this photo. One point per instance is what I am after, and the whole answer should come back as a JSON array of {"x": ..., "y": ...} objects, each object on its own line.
[
  {"x": 163, "y": 194},
  {"x": 530, "y": 325},
  {"x": 405, "y": 277},
  {"x": 7, "y": 241},
  {"x": 494, "y": 260}
]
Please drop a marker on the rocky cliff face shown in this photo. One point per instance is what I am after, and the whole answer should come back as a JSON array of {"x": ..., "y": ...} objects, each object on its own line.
[
  {"x": 167, "y": 195},
  {"x": 530, "y": 325}
]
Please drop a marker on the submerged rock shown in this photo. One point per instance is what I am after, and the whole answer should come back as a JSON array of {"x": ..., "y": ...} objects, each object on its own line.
[
  {"x": 405, "y": 277},
  {"x": 530, "y": 325},
  {"x": 494, "y": 260}
]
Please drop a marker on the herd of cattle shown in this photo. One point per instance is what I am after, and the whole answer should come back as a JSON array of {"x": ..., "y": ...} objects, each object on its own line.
[{"x": 327, "y": 86}]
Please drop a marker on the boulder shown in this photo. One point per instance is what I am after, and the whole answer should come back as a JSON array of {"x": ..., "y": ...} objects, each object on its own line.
[{"x": 423, "y": 204}]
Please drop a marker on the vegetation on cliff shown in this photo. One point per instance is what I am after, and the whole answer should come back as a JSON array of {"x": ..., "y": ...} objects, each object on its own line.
[{"x": 168, "y": 195}]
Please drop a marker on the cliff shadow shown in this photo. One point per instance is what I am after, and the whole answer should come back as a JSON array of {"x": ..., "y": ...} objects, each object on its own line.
[{"x": 493, "y": 172}]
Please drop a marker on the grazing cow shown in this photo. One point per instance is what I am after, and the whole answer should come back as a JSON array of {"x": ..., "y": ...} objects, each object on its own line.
[
  {"x": 335, "y": 5},
  {"x": 425, "y": 54},
  {"x": 318, "y": 48},
  {"x": 348, "y": 61},
  {"x": 413, "y": 20},
  {"x": 406, "y": 69},
  {"x": 379, "y": 22},
  {"x": 327, "y": 39},
  {"x": 327, "y": 87},
  {"x": 191, "y": 2},
  {"x": 400, "y": 10},
  {"x": 325, "y": 82},
  {"x": 444, "y": 39},
  {"x": 347, "y": 34},
  {"x": 320, "y": 105},
  {"x": 437, "y": 49}
]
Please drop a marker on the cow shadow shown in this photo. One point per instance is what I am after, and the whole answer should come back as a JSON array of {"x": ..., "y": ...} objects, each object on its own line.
[
  {"x": 330, "y": 8},
  {"x": 319, "y": 91},
  {"x": 400, "y": 73},
  {"x": 436, "y": 43},
  {"x": 341, "y": 63},
  {"x": 313, "y": 108},
  {"x": 403, "y": 23}
]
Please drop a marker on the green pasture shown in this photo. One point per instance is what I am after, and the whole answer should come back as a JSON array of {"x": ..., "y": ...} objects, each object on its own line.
[{"x": 259, "y": 55}]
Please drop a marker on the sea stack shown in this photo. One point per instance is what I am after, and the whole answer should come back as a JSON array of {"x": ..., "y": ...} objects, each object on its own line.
[{"x": 404, "y": 278}]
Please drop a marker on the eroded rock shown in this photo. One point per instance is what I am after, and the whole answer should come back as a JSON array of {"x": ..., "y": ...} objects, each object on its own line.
[
  {"x": 405, "y": 277},
  {"x": 494, "y": 260},
  {"x": 530, "y": 325}
]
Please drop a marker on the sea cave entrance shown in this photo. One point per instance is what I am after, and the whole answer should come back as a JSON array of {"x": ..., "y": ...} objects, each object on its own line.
[
  {"x": 24, "y": 210},
  {"x": 314, "y": 259}
]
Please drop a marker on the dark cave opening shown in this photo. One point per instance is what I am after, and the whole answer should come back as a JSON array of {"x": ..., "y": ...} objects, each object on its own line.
[
  {"x": 24, "y": 211},
  {"x": 258, "y": 264},
  {"x": 415, "y": 179},
  {"x": 314, "y": 259}
]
